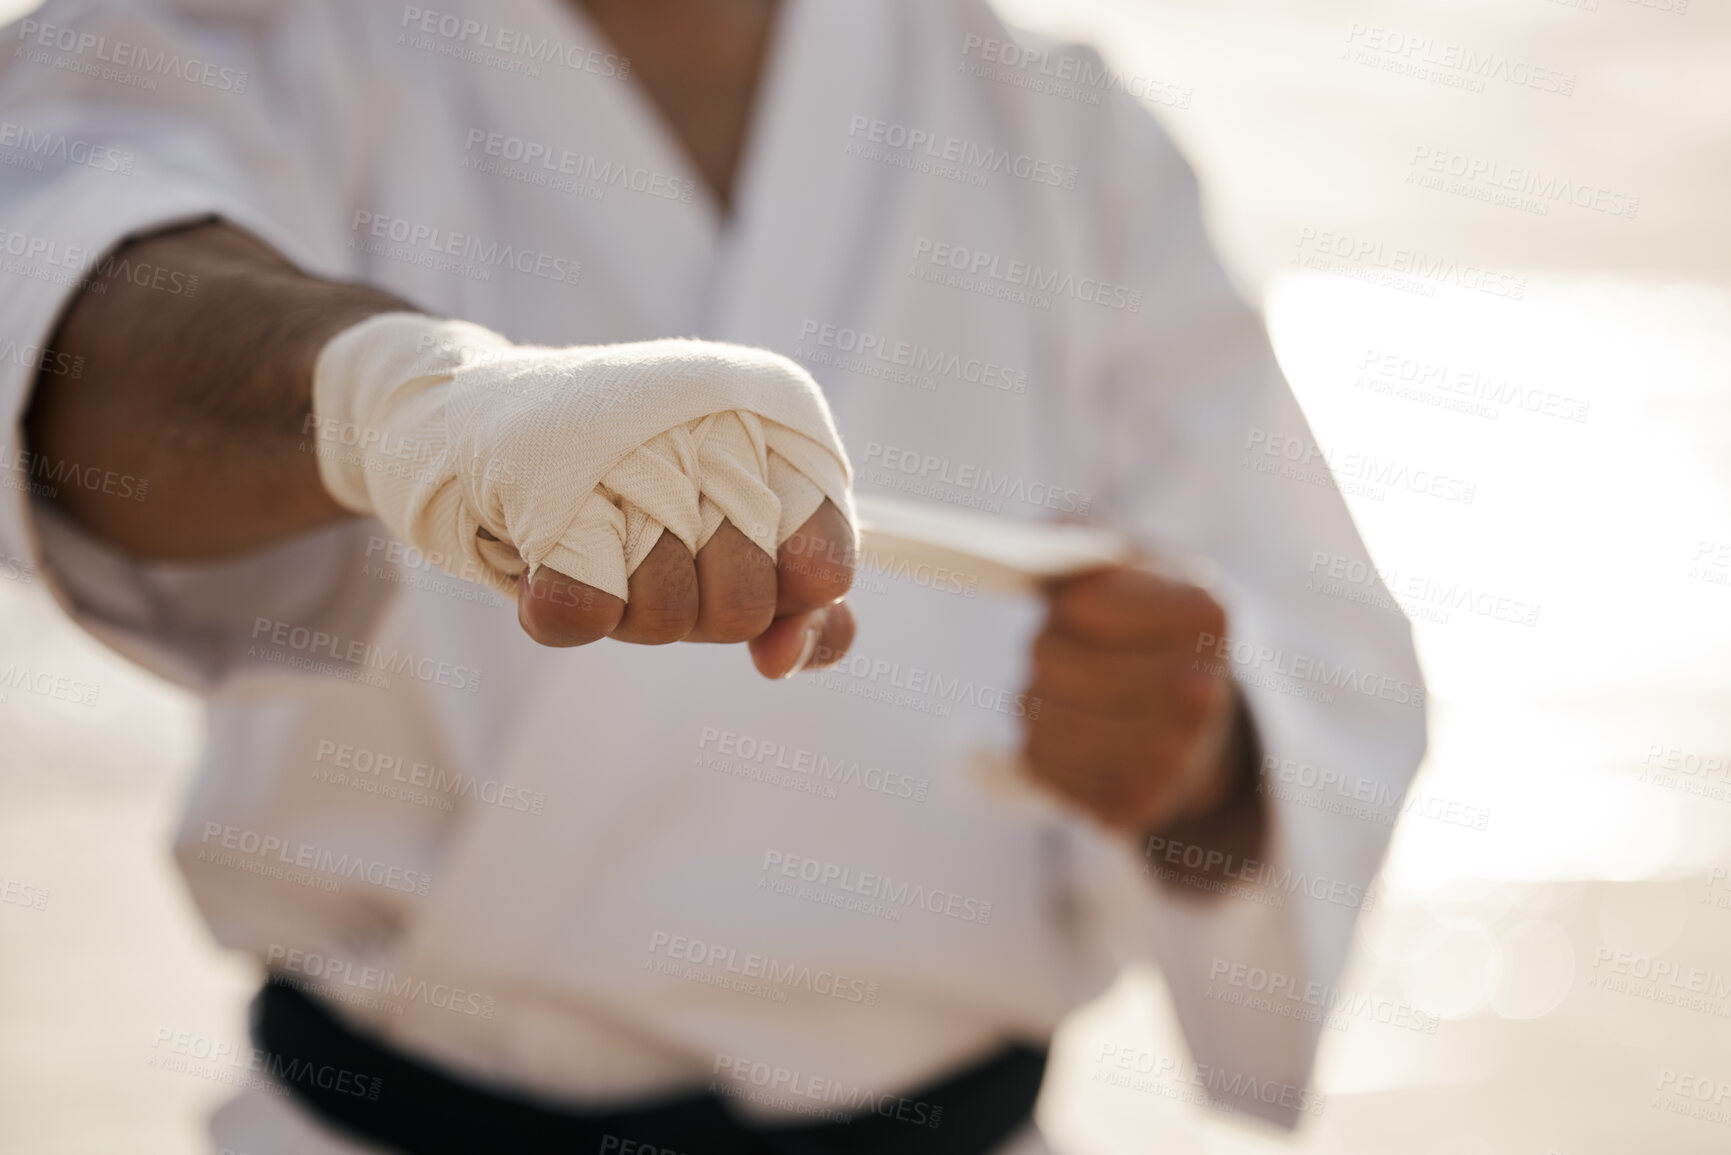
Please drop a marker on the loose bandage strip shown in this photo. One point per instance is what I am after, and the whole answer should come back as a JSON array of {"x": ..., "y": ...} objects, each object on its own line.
[
  {"x": 574, "y": 458},
  {"x": 1005, "y": 556}
]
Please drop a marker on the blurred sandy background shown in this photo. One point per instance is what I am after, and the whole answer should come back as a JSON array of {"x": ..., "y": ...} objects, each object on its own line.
[{"x": 1588, "y": 738}]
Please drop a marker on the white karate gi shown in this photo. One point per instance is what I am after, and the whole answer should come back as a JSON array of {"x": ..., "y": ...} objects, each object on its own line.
[{"x": 1088, "y": 355}]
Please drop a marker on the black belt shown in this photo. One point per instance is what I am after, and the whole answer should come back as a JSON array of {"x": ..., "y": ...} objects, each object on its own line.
[{"x": 363, "y": 1086}]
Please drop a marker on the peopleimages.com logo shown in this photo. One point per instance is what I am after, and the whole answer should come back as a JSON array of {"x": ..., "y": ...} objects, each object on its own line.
[{"x": 97, "y": 56}]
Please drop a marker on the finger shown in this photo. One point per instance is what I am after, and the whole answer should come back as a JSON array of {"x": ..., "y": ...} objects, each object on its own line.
[
  {"x": 1071, "y": 743},
  {"x": 803, "y": 641},
  {"x": 816, "y": 565},
  {"x": 1098, "y": 796},
  {"x": 1111, "y": 683},
  {"x": 663, "y": 601},
  {"x": 1125, "y": 773},
  {"x": 1102, "y": 681},
  {"x": 557, "y": 610},
  {"x": 837, "y": 636},
  {"x": 735, "y": 589},
  {"x": 1124, "y": 607}
]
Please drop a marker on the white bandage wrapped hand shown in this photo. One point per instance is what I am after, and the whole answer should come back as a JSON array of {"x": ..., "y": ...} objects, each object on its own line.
[{"x": 576, "y": 458}]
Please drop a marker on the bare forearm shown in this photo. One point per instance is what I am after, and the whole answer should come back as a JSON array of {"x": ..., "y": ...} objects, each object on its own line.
[{"x": 202, "y": 395}]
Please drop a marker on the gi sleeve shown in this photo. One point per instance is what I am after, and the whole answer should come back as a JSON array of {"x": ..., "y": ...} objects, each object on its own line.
[
  {"x": 1210, "y": 462},
  {"x": 117, "y": 120}
]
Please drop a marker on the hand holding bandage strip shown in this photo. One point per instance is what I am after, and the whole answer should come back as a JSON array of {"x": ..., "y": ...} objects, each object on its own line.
[{"x": 575, "y": 458}]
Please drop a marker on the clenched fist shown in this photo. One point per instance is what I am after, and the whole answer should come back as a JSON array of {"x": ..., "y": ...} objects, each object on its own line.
[
  {"x": 649, "y": 492},
  {"x": 789, "y": 610},
  {"x": 1130, "y": 728}
]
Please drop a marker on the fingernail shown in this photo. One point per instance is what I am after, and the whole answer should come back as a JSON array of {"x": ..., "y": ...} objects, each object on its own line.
[{"x": 806, "y": 649}]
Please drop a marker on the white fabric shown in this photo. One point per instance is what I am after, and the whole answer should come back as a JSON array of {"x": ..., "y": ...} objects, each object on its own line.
[
  {"x": 575, "y": 458},
  {"x": 635, "y": 822},
  {"x": 1010, "y": 557}
]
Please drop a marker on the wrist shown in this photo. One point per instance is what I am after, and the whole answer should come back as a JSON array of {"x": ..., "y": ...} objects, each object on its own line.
[
  {"x": 1236, "y": 769},
  {"x": 375, "y": 415},
  {"x": 1230, "y": 817}
]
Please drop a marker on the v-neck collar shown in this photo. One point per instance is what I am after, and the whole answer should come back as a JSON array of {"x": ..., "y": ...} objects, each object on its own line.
[
  {"x": 800, "y": 208},
  {"x": 638, "y": 107}
]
